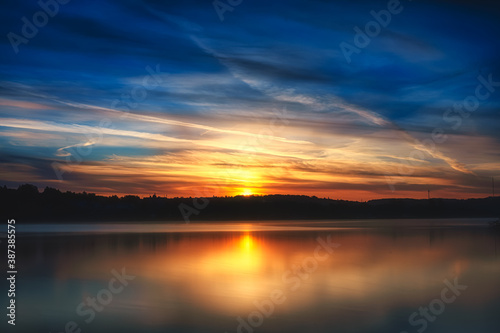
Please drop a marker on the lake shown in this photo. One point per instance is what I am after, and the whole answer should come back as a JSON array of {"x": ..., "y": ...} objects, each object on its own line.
[{"x": 287, "y": 276}]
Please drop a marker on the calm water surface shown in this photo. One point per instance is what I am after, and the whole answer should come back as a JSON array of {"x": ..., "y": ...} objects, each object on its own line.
[{"x": 265, "y": 277}]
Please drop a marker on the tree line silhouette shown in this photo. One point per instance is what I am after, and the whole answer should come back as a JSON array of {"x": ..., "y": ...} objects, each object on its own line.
[{"x": 27, "y": 203}]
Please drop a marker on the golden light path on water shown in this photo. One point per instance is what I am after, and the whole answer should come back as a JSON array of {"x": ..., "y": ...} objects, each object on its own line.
[{"x": 223, "y": 274}]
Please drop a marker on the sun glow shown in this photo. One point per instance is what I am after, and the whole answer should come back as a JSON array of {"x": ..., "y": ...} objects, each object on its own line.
[
  {"x": 247, "y": 192},
  {"x": 247, "y": 243}
]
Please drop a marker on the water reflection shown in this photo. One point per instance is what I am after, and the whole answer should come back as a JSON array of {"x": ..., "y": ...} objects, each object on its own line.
[{"x": 201, "y": 282}]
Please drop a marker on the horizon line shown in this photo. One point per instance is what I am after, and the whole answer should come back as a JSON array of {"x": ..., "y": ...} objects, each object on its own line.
[{"x": 154, "y": 195}]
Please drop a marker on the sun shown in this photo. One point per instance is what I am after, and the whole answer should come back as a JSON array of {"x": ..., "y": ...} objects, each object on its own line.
[{"x": 247, "y": 191}]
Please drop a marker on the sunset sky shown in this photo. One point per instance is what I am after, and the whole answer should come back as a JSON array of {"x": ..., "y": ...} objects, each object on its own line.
[{"x": 165, "y": 97}]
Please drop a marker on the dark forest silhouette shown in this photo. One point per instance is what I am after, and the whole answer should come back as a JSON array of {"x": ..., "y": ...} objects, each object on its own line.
[{"x": 51, "y": 205}]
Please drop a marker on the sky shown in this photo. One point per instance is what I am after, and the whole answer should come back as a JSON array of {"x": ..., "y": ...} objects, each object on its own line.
[{"x": 350, "y": 100}]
